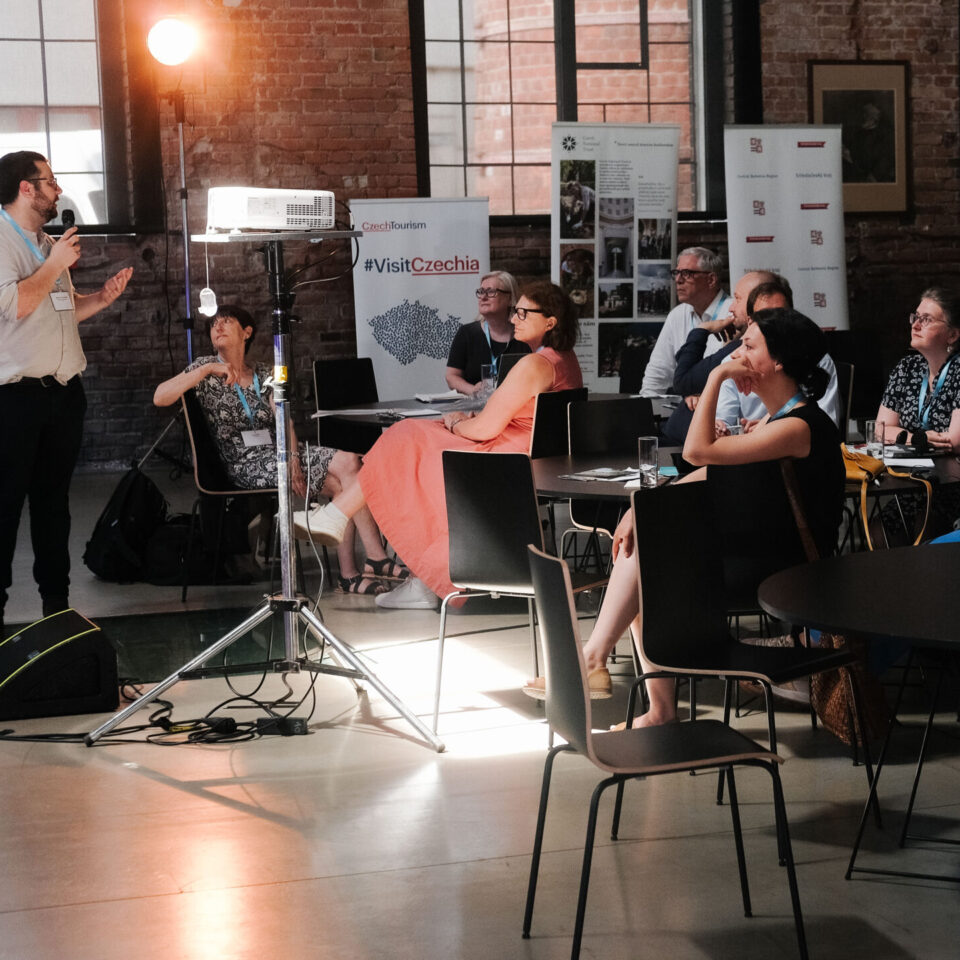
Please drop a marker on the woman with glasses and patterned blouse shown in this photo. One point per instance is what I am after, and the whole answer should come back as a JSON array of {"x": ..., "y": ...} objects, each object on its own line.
[
  {"x": 923, "y": 393},
  {"x": 486, "y": 339},
  {"x": 401, "y": 480}
]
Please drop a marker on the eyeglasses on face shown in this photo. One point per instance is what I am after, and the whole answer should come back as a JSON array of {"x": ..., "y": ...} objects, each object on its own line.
[
  {"x": 681, "y": 276},
  {"x": 51, "y": 180},
  {"x": 522, "y": 312},
  {"x": 484, "y": 292},
  {"x": 923, "y": 319}
]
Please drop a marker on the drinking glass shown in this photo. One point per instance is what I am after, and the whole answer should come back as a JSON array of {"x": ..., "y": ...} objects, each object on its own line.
[
  {"x": 488, "y": 379},
  {"x": 649, "y": 458},
  {"x": 873, "y": 435}
]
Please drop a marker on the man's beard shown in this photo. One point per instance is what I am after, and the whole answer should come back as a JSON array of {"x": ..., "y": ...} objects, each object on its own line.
[{"x": 45, "y": 208}]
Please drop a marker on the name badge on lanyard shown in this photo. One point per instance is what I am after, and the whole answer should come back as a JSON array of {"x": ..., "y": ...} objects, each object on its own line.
[
  {"x": 61, "y": 300},
  {"x": 252, "y": 437},
  {"x": 256, "y": 438}
]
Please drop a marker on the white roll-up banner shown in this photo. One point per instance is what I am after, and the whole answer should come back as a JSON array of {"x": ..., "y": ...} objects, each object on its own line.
[
  {"x": 785, "y": 213},
  {"x": 414, "y": 284},
  {"x": 613, "y": 235}
]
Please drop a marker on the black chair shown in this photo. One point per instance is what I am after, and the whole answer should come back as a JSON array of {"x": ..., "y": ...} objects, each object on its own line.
[
  {"x": 214, "y": 488},
  {"x": 684, "y": 606},
  {"x": 633, "y": 365},
  {"x": 549, "y": 436},
  {"x": 507, "y": 362},
  {"x": 630, "y": 754},
  {"x": 492, "y": 515},
  {"x": 603, "y": 427},
  {"x": 345, "y": 382}
]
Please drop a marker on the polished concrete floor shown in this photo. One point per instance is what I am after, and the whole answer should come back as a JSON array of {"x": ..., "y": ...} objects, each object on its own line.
[{"x": 359, "y": 841}]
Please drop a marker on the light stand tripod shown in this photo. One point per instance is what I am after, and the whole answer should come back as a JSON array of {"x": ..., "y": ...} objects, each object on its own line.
[{"x": 294, "y": 609}]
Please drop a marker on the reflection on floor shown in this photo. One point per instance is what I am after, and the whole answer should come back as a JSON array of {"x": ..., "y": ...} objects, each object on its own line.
[{"x": 357, "y": 841}]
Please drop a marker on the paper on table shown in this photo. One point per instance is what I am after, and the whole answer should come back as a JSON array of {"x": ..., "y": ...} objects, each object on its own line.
[
  {"x": 396, "y": 413},
  {"x": 919, "y": 463},
  {"x": 444, "y": 397}
]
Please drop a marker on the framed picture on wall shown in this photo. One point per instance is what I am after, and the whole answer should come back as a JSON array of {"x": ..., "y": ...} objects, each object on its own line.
[{"x": 868, "y": 99}]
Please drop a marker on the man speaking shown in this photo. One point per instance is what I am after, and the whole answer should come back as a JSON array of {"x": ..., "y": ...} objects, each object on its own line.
[{"x": 41, "y": 397}]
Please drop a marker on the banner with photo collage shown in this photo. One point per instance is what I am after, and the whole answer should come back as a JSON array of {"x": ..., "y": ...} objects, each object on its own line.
[
  {"x": 420, "y": 261},
  {"x": 785, "y": 213},
  {"x": 613, "y": 236}
]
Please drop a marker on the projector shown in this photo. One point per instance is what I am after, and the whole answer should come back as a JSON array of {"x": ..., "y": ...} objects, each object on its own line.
[{"x": 261, "y": 208}]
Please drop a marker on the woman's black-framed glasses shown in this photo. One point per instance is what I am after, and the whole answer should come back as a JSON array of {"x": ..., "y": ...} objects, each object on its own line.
[
  {"x": 484, "y": 292},
  {"x": 924, "y": 319},
  {"x": 522, "y": 312}
]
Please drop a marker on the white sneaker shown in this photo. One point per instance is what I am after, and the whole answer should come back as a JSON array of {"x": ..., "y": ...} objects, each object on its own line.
[
  {"x": 317, "y": 525},
  {"x": 412, "y": 594}
]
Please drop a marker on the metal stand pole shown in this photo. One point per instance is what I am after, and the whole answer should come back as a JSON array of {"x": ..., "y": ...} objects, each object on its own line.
[
  {"x": 292, "y": 607},
  {"x": 176, "y": 98}
]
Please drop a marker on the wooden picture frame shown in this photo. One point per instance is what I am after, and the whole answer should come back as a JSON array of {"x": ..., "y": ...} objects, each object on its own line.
[{"x": 868, "y": 99}]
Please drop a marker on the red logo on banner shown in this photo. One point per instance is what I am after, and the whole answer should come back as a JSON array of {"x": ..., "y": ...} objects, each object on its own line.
[
  {"x": 819, "y": 299},
  {"x": 756, "y": 145},
  {"x": 760, "y": 208},
  {"x": 760, "y": 239},
  {"x": 816, "y": 237},
  {"x": 816, "y": 144},
  {"x": 814, "y": 206}
]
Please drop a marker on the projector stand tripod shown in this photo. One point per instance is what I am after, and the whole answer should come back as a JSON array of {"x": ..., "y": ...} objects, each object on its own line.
[{"x": 295, "y": 609}]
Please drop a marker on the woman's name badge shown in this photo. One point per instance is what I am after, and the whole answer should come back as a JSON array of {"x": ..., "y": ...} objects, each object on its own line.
[
  {"x": 256, "y": 438},
  {"x": 61, "y": 300}
]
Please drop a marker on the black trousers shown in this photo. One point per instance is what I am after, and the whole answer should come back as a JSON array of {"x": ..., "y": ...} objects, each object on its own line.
[{"x": 40, "y": 432}]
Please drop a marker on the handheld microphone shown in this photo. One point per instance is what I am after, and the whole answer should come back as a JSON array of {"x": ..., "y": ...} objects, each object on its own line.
[{"x": 68, "y": 219}]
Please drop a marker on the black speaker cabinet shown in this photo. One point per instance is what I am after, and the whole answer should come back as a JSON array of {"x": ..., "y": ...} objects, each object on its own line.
[{"x": 57, "y": 666}]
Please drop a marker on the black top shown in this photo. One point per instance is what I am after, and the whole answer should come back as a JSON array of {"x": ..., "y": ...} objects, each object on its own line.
[
  {"x": 469, "y": 350},
  {"x": 755, "y": 520},
  {"x": 903, "y": 394}
]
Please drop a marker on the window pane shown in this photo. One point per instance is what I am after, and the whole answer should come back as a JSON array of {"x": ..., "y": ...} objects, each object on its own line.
[
  {"x": 441, "y": 20},
  {"x": 675, "y": 113},
  {"x": 612, "y": 86},
  {"x": 490, "y": 137},
  {"x": 590, "y": 112},
  {"x": 446, "y": 182},
  {"x": 446, "y": 133},
  {"x": 443, "y": 72},
  {"x": 22, "y": 128},
  {"x": 488, "y": 72},
  {"x": 629, "y": 113},
  {"x": 532, "y": 130},
  {"x": 670, "y": 73},
  {"x": 495, "y": 183},
  {"x": 531, "y": 189},
  {"x": 19, "y": 18},
  {"x": 83, "y": 194},
  {"x": 608, "y": 33},
  {"x": 69, "y": 20},
  {"x": 75, "y": 142},
  {"x": 23, "y": 73},
  {"x": 488, "y": 21},
  {"x": 534, "y": 75},
  {"x": 72, "y": 74}
]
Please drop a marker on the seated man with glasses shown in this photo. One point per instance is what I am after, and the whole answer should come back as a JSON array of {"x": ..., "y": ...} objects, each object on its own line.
[
  {"x": 701, "y": 299},
  {"x": 486, "y": 339}
]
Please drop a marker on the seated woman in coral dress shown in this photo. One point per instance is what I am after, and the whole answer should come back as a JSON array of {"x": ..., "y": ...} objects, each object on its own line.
[{"x": 401, "y": 480}]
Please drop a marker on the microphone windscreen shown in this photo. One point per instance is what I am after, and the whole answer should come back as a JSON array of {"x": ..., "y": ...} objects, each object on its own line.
[{"x": 68, "y": 219}]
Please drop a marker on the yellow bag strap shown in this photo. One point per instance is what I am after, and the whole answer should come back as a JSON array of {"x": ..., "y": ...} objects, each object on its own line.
[{"x": 927, "y": 486}]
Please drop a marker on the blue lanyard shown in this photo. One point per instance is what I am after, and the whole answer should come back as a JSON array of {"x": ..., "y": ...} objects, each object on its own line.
[
  {"x": 243, "y": 399},
  {"x": 708, "y": 316},
  {"x": 34, "y": 249},
  {"x": 788, "y": 406},
  {"x": 494, "y": 361},
  {"x": 923, "y": 409}
]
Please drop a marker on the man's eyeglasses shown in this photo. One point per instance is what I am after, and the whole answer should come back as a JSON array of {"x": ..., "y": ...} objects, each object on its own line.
[
  {"x": 522, "y": 312},
  {"x": 923, "y": 319},
  {"x": 681, "y": 276},
  {"x": 484, "y": 292},
  {"x": 51, "y": 180}
]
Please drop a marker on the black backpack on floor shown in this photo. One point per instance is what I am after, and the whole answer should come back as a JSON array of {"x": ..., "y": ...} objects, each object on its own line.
[{"x": 117, "y": 549}]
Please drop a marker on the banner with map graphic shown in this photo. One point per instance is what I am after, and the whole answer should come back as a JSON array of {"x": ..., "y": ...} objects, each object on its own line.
[
  {"x": 413, "y": 286},
  {"x": 785, "y": 212},
  {"x": 614, "y": 236}
]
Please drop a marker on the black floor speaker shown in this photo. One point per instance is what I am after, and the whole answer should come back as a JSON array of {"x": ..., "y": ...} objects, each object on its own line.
[{"x": 58, "y": 666}]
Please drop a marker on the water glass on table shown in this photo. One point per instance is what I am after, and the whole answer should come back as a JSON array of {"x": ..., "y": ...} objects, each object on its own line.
[
  {"x": 873, "y": 436},
  {"x": 488, "y": 378},
  {"x": 649, "y": 457}
]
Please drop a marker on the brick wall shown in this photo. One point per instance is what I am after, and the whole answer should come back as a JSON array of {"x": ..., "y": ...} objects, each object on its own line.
[{"x": 317, "y": 93}]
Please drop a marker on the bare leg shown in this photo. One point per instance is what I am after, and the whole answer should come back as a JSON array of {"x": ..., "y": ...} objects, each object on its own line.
[{"x": 620, "y": 610}]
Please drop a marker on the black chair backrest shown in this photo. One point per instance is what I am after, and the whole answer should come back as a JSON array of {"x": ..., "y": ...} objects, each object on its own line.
[
  {"x": 208, "y": 469},
  {"x": 568, "y": 708},
  {"x": 549, "y": 438},
  {"x": 844, "y": 395},
  {"x": 633, "y": 364},
  {"x": 609, "y": 426},
  {"x": 344, "y": 382},
  {"x": 491, "y": 516},
  {"x": 507, "y": 362},
  {"x": 681, "y": 585}
]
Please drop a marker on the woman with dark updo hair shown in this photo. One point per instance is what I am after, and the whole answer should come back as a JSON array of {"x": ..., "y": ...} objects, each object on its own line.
[{"x": 777, "y": 361}]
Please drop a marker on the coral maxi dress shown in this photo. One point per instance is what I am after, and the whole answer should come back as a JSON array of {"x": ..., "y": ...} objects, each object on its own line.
[{"x": 402, "y": 478}]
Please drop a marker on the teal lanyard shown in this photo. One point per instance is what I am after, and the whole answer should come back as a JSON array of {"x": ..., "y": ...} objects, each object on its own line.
[
  {"x": 788, "y": 406},
  {"x": 494, "y": 361},
  {"x": 243, "y": 399},
  {"x": 923, "y": 408},
  {"x": 34, "y": 249},
  {"x": 708, "y": 316}
]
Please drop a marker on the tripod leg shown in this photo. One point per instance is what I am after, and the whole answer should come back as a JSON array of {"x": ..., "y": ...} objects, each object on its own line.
[
  {"x": 263, "y": 612},
  {"x": 348, "y": 654}
]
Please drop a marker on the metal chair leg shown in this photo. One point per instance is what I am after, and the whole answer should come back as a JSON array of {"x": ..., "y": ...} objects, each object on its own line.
[{"x": 738, "y": 840}]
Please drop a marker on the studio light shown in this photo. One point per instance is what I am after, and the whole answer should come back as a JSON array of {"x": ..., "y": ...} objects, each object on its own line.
[{"x": 171, "y": 41}]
